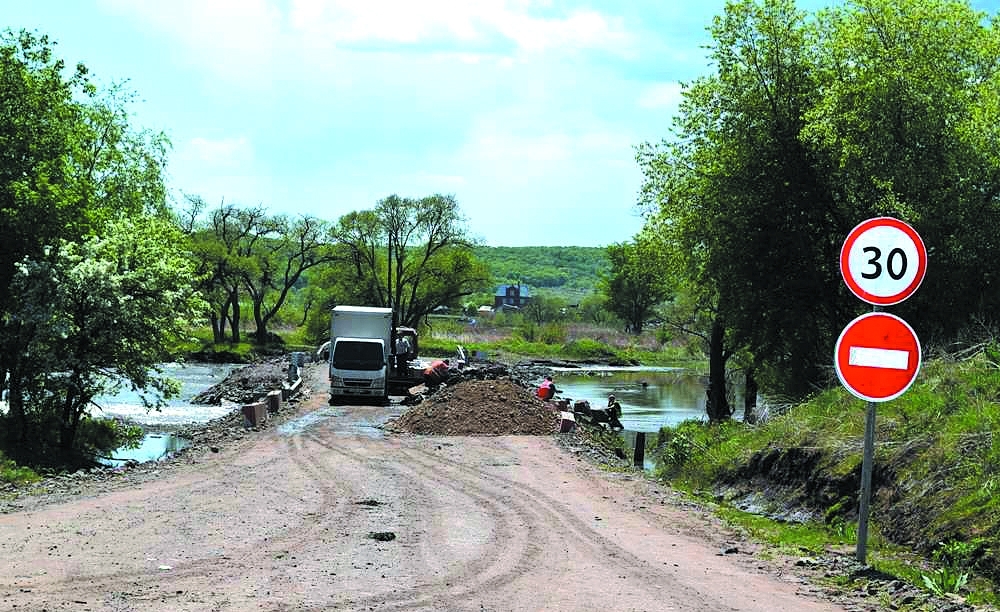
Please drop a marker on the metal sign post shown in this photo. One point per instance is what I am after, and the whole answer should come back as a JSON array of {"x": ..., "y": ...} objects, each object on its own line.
[
  {"x": 867, "y": 464},
  {"x": 877, "y": 357}
]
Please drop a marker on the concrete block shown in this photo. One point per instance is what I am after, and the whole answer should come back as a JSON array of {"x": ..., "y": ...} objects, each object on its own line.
[
  {"x": 254, "y": 415},
  {"x": 273, "y": 400},
  {"x": 567, "y": 422}
]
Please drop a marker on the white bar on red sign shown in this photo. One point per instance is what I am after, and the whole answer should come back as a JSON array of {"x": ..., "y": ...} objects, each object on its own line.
[{"x": 878, "y": 358}]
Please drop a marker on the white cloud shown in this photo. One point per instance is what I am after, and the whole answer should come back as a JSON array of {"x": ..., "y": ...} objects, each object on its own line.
[
  {"x": 230, "y": 37},
  {"x": 661, "y": 95}
]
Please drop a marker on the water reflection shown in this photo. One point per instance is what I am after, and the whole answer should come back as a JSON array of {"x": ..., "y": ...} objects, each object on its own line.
[
  {"x": 154, "y": 446},
  {"x": 651, "y": 398}
]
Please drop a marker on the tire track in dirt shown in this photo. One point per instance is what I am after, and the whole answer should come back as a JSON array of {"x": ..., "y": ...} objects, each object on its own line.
[
  {"x": 557, "y": 520},
  {"x": 511, "y": 552},
  {"x": 242, "y": 559}
]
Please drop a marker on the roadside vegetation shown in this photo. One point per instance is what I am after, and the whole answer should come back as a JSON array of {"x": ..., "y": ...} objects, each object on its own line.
[
  {"x": 935, "y": 488},
  {"x": 511, "y": 337}
]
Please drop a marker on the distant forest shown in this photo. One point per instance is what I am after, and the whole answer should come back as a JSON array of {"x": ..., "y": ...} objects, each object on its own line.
[{"x": 562, "y": 270}]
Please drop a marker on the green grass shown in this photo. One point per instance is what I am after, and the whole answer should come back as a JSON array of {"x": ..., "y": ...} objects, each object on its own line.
[
  {"x": 937, "y": 455},
  {"x": 565, "y": 341},
  {"x": 14, "y": 474},
  {"x": 794, "y": 538}
]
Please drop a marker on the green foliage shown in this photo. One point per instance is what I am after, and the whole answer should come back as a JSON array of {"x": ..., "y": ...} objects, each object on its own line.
[
  {"x": 637, "y": 281},
  {"x": 97, "y": 315},
  {"x": 98, "y": 436},
  {"x": 587, "y": 348},
  {"x": 87, "y": 268},
  {"x": 594, "y": 309},
  {"x": 795, "y": 538},
  {"x": 945, "y": 580},
  {"x": 809, "y": 125},
  {"x": 411, "y": 255},
  {"x": 12, "y": 473},
  {"x": 573, "y": 271}
]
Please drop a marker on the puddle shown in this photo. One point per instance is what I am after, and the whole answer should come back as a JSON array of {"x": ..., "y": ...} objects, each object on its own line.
[
  {"x": 154, "y": 446},
  {"x": 371, "y": 430},
  {"x": 297, "y": 426},
  {"x": 358, "y": 425}
]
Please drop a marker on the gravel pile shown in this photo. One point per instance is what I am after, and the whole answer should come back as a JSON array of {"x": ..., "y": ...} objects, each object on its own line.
[
  {"x": 247, "y": 384},
  {"x": 479, "y": 407}
]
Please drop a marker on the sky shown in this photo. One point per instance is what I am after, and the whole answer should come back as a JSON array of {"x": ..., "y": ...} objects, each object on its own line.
[{"x": 529, "y": 112}]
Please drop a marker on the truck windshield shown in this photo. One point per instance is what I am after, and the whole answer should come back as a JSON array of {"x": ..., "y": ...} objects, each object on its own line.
[{"x": 349, "y": 355}]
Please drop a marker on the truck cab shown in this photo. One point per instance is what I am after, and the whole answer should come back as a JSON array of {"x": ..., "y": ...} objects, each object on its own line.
[
  {"x": 358, "y": 368},
  {"x": 360, "y": 354}
]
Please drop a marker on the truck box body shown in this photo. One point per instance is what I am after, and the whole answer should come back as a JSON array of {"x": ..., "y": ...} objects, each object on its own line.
[{"x": 360, "y": 351}]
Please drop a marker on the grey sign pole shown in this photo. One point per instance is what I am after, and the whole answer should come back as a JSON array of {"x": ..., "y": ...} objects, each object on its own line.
[{"x": 866, "y": 483}]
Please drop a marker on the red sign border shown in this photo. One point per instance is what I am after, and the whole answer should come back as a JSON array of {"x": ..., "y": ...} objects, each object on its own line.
[
  {"x": 850, "y": 387},
  {"x": 921, "y": 261}
]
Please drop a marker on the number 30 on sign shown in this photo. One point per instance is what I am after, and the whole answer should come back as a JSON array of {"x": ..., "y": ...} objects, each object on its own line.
[{"x": 883, "y": 261}]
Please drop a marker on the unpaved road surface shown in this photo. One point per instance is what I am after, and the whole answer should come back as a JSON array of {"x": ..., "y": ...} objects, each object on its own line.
[{"x": 298, "y": 517}]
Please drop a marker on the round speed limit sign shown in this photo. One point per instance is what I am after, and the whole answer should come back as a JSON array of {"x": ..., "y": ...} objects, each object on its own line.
[{"x": 883, "y": 261}]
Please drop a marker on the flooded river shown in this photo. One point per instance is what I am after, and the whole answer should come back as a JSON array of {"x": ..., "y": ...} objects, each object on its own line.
[
  {"x": 651, "y": 398},
  {"x": 194, "y": 378}
]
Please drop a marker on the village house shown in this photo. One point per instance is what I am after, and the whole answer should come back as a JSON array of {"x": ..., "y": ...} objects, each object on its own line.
[{"x": 511, "y": 297}]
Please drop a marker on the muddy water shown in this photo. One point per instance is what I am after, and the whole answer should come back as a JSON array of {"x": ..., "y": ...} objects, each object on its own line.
[{"x": 651, "y": 398}]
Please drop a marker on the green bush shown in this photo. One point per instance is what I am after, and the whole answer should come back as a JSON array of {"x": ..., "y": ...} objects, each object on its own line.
[{"x": 15, "y": 474}]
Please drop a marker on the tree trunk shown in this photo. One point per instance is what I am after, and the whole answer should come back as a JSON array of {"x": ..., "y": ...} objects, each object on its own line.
[
  {"x": 218, "y": 329},
  {"x": 15, "y": 403},
  {"x": 750, "y": 398},
  {"x": 717, "y": 406},
  {"x": 260, "y": 321},
  {"x": 234, "y": 320}
]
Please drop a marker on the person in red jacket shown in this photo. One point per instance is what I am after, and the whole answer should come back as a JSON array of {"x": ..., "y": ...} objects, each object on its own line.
[
  {"x": 436, "y": 373},
  {"x": 547, "y": 389}
]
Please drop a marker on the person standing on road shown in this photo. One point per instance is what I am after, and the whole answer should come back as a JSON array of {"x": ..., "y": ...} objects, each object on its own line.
[{"x": 403, "y": 354}]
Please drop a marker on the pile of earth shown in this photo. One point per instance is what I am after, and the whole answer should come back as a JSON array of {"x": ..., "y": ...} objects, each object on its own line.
[
  {"x": 247, "y": 384},
  {"x": 489, "y": 407}
]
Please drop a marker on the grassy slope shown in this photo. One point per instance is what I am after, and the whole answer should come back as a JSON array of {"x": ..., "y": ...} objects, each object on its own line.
[{"x": 937, "y": 465}]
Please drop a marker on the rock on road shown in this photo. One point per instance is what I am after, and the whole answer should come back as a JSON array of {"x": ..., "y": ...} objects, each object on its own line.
[{"x": 331, "y": 516}]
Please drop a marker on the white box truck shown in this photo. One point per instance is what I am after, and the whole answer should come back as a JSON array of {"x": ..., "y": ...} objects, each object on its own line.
[{"x": 360, "y": 352}]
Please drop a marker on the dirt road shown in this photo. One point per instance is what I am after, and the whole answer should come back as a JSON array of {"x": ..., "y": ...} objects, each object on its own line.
[{"x": 325, "y": 513}]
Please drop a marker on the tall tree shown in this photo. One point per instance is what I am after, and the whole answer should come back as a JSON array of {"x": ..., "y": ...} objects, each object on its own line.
[
  {"x": 69, "y": 165},
  {"x": 808, "y": 127},
  {"x": 907, "y": 126},
  {"x": 97, "y": 315},
  {"x": 278, "y": 261},
  {"x": 636, "y": 283},
  {"x": 411, "y": 255},
  {"x": 737, "y": 195},
  {"x": 222, "y": 247}
]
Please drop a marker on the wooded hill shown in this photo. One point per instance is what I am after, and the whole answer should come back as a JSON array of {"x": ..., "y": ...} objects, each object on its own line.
[{"x": 569, "y": 270}]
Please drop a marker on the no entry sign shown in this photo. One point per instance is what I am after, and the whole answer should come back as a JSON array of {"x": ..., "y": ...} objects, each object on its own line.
[
  {"x": 883, "y": 261},
  {"x": 877, "y": 356}
]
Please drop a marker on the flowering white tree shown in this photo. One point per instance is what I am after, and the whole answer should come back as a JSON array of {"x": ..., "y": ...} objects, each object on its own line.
[{"x": 98, "y": 315}]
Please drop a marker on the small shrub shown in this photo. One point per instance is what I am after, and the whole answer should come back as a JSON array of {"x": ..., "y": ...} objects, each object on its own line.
[
  {"x": 15, "y": 474},
  {"x": 945, "y": 580}
]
